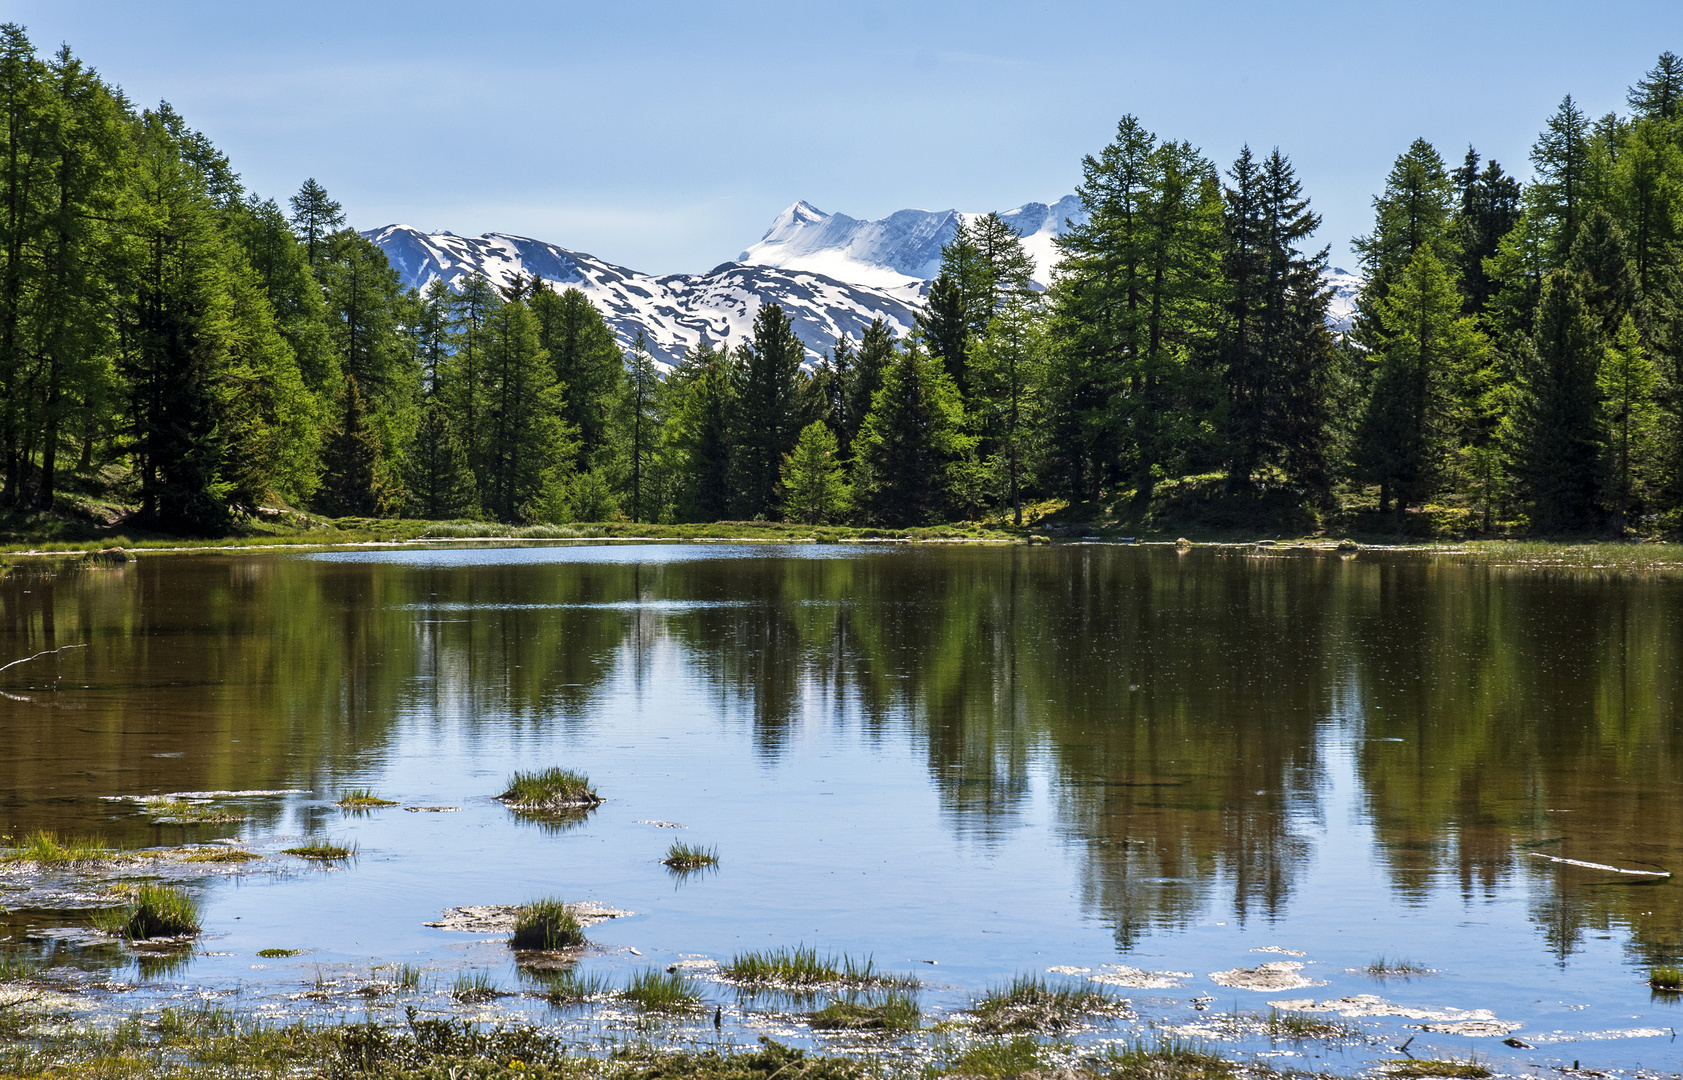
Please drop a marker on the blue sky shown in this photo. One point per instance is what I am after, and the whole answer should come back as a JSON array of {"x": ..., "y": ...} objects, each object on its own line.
[{"x": 665, "y": 136}]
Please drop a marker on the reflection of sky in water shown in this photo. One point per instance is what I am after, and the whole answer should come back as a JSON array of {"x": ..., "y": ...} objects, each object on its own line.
[{"x": 1000, "y": 760}]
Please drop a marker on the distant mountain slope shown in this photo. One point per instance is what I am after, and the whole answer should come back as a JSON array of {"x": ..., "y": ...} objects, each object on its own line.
[
  {"x": 900, "y": 251},
  {"x": 675, "y": 310}
]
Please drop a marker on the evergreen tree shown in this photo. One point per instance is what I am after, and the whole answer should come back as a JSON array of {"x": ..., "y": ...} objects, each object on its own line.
[
  {"x": 351, "y": 482},
  {"x": 834, "y": 384},
  {"x": 768, "y": 409},
  {"x": 1601, "y": 262},
  {"x": 464, "y": 385},
  {"x": 698, "y": 434},
  {"x": 317, "y": 218},
  {"x": 876, "y": 352},
  {"x": 1561, "y": 156},
  {"x": 1489, "y": 209},
  {"x": 910, "y": 441},
  {"x": 1659, "y": 94},
  {"x": 437, "y": 480},
  {"x": 1413, "y": 213},
  {"x": 1006, "y": 369},
  {"x": 638, "y": 430},
  {"x": 1626, "y": 382},
  {"x": 587, "y": 361},
  {"x": 523, "y": 433},
  {"x": 1554, "y": 442},
  {"x": 812, "y": 478},
  {"x": 432, "y": 333}
]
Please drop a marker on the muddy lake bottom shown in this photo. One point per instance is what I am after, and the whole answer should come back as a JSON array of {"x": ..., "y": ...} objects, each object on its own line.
[{"x": 1424, "y": 803}]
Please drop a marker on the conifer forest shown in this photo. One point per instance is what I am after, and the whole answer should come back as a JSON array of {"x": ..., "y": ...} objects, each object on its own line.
[{"x": 205, "y": 354}]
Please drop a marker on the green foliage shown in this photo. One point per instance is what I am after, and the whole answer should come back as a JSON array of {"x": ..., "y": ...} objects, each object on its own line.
[
  {"x": 1168, "y": 1060},
  {"x": 803, "y": 967},
  {"x": 47, "y": 848},
  {"x": 767, "y": 421},
  {"x": 890, "y": 1012},
  {"x": 472, "y": 987},
  {"x": 362, "y": 797},
  {"x": 153, "y": 911},
  {"x": 1552, "y": 436},
  {"x": 996, "y": 1059},
  {"x": 682, "y": 856},
  {"x": 814, "y": 491},
  {"x": 546, "y": 924},
  {"x": 910, "y": 442},
  {"x": 322, "y": 851},
  {"x": 523, "y": 436},
  {"x": 549, "y": 787},
  {"x": 1666, "y": 977},
  {"x": 652, "y": 990},
  {"x": 437, "y": 480},
  {"x": 1029, "y": 1003}
]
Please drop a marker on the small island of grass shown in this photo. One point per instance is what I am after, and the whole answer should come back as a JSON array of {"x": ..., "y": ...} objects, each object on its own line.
[
  {"x": 682, "y": 856},
  {"x": 362, "y": 799},
  {"x": 322, "y": 851},
  {"x": 554, "y": 789},
  {"x": 546, "y": 924},
  {"x": 154, "y": 911}
]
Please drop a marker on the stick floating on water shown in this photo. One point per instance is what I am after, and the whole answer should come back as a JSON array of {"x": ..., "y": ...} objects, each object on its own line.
[
  {"x": 1599, "y": 866},
  {"x": 38, "y": 655}
]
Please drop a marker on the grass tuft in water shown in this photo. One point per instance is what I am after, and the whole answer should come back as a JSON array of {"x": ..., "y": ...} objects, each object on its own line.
[
  {"x": 682, "y": 856},
  {"x": 565, "y": 988},
  {"x": 475, "y": 986},
  {"x": 1425, "y": 1067},
  {"x": 555, "y": 788},
  {"x": 14, "y": 966},
  {"x": 1170, "y": 1060},
  {"x": 185, "y": 812},
  {"x": 802, "y": 966},
  {"x": 46, "y": 848},
  {"x": 362, "y": 799},
  {"x": 154, "y": 911},
  {"x": 1666, "y": 977},
  {"x": 1302, "y": 1027},
  {"x": 322, "y": 851},
  {"x": 996, "y": 1058},
  {"x": 1029, "y": 1003},
  {"x": 217, "y": 854},
  {"x": 890, "y": 1012},
  {"x": 546, "y": 924},
  {"x": 275, "y": 954},
  {"x": 1385, "y": 967},
  {"x": 653, "y": 990}
]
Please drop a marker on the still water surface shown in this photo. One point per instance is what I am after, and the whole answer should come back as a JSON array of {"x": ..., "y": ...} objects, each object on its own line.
[{"x": 998, "y": 759}]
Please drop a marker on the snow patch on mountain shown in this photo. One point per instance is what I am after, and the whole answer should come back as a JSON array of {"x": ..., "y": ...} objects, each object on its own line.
[
  {"x": 674, "y": 311},
  {"x": 1341, "y": 312}
]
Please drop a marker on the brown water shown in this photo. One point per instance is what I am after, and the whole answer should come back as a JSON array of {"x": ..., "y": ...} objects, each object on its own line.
[{"x": 1003, "y": 759}]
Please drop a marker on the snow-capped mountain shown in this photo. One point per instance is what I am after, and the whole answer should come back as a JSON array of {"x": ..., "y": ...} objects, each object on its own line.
[
  {"x": 902, "y": 251},
  {"x": 674, "y": 311},
  {"x": 1345, "y": 287}
]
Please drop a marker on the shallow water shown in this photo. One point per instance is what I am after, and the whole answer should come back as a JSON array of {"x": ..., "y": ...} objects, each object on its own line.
[{"x": 998, "y": 759}]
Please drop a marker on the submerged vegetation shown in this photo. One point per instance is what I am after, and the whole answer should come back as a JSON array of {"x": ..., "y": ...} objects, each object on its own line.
[
  {"x": 890, "y": 1012},
  {"x": 546, "y": 924},
  {"x": 569, "y": 987},
  {"x": 475, "y": 986},
  {"x": 275, "y": 954},
  {"x": 550, "y": 789},
  {"x": 682, "y": 856},
  {"x": 153, "y": 911},
  {"x": 1385, "y": 967},
  {"x": 803, "y": 967},
  {"x": 1028, "y": 1003}
]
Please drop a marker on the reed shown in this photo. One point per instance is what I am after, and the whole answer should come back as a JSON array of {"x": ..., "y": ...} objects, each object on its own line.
[{"x": 546, "y": 924}]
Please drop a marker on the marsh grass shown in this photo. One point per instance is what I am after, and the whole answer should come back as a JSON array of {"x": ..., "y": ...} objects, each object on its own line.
[
  {"x": 186, "y": 812},
  {"x": 276, "y": 954},
  {"x": 1425, "y": 1067},
  {"x": 564, "y": 988},
  {"x": 549, "y": 789},
  {"x": 1666, "y": 977},
  {"x": 889, "y": 1012},
  {"x": 1385, "y": 967},
  {"x": 14, "y": 966},
  {"x": 362, "y": 799},
  {"x": 685, "y": 857},
  {"x": 996, "y": 1058},
  {"x": 803, "y": 967},
  {"x": 1302, "y": 1027},
  {"x": 1029, "y": 1003},
  {"x": 1169, "y": 1060},
  {"x": 475, "y": 986},
  {"x": 46, "y": 848},
  {"x": 322, "y": 851},
  {"x": 653, "y": 990},
  {"x": 153, "y": 911},
  {"x": 546, "y": 924},
  {"x": 217, "y": 854},
  {"x": 1543, "y": 555}
]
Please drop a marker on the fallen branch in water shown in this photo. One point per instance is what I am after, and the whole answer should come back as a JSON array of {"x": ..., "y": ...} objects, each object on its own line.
[
  {"x": 1599, "y": 866},
  {"x": 38, "y": 655}
]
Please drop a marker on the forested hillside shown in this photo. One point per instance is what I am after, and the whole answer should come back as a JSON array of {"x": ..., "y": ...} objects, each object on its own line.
[{"x": 196, "y": 352}]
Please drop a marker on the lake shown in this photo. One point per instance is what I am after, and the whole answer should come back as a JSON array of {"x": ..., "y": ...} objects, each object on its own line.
[{"x": 1162, "y": 769}]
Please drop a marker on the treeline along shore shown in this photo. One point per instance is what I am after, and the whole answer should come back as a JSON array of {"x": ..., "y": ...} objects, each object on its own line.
[{"x": 188, "y": 357}]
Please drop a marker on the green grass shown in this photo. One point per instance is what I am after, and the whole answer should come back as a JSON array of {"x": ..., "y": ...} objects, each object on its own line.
[
  {"x": 1166, "y": 1061},
  {"x": 184, "y": 812},
  {"x": 1425, "y": 1067},
  {"x": 46, "y": 848},
  {"x": 566, "y": 988},
  {"x": 802, "y": 966},
  {"x": 322, "y": 851},
  {"x": 1302, "y": 1027},
  {"x": 475, "y": 986},
  {"x": 555, "y": 788},
  {"x": 890, "y": 1012},
  {"x": 154, "y": 911},
  {"x": 1385, "y": 967},
  {"x": 1666, "y": 977},
  {"x": 653, "y": 990},
  {"x": 1029, "y": 1003},
  {"x": 362, "y": 799},
  {"x": 546, "y": 924},
  {"x": 218, "y": 853},
  {"x": 682, "y": 856},
  {"x": 275, "y": 954},
  {"x": 14, "y": 966},
  {"x": 995, "y": 1059}
]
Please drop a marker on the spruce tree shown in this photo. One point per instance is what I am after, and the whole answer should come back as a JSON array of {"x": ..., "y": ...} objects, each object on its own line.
[
  {"x": 910, "y": 441},
  {"x": 876, "y": 352},
  {"x": 1489, "y": 209},
  {"x": 1627, "y": 382},
  {"x": 587, "y": 361},
  {"x": 464, "y": 385},
  {"x": 1005, "y": 365},
  {"x": 523, "y": 433},
  {"x": 814, "y": 491},
  {"x": 1553, "y": 442},
  {"x": 316, "y": 217},
  {"x": 1601, "y": 262},
  {"x": 1561, "y": 155},
  {"x": 767, "y": 402},
  {"x": 698, "y": 434},
  {"x": 1413, "y": 213},
  {"x": 351, "y": 459},
  {"x": 437, "y": 480},
  {"x": 1658, "y": 95},
  {"x": 637, "y": 425}
]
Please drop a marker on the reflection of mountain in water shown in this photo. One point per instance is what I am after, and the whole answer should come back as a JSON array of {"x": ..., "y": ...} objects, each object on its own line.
[{"x": 1174, "y": 709}]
